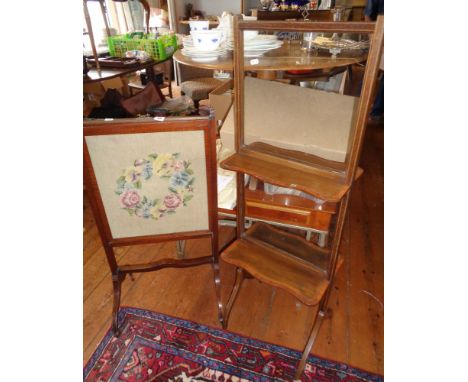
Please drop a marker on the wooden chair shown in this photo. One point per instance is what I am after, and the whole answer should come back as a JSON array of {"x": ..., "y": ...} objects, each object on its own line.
[
  {"x": 176, "y": 157},
  {"x": 275, "y": 257}
]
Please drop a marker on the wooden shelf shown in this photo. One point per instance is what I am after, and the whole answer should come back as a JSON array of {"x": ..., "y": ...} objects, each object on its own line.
[
  {"x": 313, "y": 15},
  {"x": 283, "y": 260},
  {"x": 316, "y": 176}
]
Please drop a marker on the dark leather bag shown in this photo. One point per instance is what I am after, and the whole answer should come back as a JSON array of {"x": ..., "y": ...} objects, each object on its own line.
[
  {"x": 151, "y": 95},
  {"x": 110, "y": 106}
]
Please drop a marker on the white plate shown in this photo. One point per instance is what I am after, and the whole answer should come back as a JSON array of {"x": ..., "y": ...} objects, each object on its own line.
[
  {"x": 203, "y": 56},
  {"x": 203, "y": 53},
  {"x": 265, "y": 37},
  {"x": 253, "y": 54},
  {"x": 262, "y": 38},
  {"x": 259, "y": 46},
  {"x": 259, "y": 40},
  {"x": 205, "y": 59},
  {"x": 273, "y": 46},
  {"x": 196, "y": 49}
]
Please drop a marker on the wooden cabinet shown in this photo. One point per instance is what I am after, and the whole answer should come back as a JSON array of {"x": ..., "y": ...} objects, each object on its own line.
[{"x": 273, "y": 256}]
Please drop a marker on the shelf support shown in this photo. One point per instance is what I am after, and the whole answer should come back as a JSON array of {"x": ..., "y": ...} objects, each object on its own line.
[
  {"x": 319, "y": 316},
  {"x": 233, "y": 296}
]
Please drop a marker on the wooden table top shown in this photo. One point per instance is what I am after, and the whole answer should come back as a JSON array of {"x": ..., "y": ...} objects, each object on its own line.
[{"x": 288, "y": 57}]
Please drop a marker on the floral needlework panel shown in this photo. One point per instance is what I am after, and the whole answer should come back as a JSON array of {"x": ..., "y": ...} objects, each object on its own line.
[{"x": 153, "y": 183}]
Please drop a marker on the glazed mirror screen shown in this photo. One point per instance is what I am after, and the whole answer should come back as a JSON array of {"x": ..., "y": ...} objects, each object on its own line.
[
  {"x": 153, "y": 183},
  {"x": 293, "y": 117}
]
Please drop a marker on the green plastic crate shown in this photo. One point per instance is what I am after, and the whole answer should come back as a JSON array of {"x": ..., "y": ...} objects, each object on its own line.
[{"x": 159, "y": 49}]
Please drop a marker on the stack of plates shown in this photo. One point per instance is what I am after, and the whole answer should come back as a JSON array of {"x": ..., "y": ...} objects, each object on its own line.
[
  {"x": 196, "y": 54},
  {"x": 203, "y": 56},
  {"x": 187, "y": 41},
  {"x": 259, "y": 45}
]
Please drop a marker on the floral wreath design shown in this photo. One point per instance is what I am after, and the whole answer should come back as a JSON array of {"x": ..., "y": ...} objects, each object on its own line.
[{"x": 170, "y": 167}]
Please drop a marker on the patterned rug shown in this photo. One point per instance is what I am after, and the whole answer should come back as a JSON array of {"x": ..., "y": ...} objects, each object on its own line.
[{"x": 156, "y": 347}]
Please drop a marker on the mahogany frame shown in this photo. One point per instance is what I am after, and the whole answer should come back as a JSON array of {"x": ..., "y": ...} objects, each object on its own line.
[
  {"x": 142, "y": 126},
  {"x": 350, "y": 169}
]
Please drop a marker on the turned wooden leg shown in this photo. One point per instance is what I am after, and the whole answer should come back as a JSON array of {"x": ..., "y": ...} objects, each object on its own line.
[
  {"x": 117, "y": 284},
  {"x": 232, "y": 297}
]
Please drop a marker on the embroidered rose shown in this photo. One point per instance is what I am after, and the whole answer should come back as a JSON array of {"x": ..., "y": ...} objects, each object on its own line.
[
  {"x": 172, "y": 201},
  {"x": 129, "y": 199}
]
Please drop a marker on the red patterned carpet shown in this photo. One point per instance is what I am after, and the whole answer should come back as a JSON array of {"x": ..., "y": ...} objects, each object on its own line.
[{"x": 156, "y": 347}]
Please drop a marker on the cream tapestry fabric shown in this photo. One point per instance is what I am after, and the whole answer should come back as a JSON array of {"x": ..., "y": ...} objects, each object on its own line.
[
  {"x": 295, "y": 118},
  {"x": 152, "y": 183}
]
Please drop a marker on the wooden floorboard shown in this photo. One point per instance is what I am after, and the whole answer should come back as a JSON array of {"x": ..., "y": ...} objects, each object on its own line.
[{"x": 354, "y": 334}]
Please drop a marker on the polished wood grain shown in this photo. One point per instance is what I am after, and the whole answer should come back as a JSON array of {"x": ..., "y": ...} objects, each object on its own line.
[
  {"x": 298, "y": 157},
  {"x": 282, "y": 260},
  {"x": 290, "y": 210},
  {"x": 296, "y": 247},
  {"x": 325, "y": 185},
  {"x": 368, "y": 87},
  {"x": 354, "y": 334}
]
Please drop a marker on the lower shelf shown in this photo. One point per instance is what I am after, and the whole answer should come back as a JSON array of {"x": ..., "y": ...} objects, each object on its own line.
[{"x": 282, "y": 260}]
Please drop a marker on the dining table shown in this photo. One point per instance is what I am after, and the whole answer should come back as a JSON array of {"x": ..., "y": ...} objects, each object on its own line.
[{"x": 289, "y": 57}]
